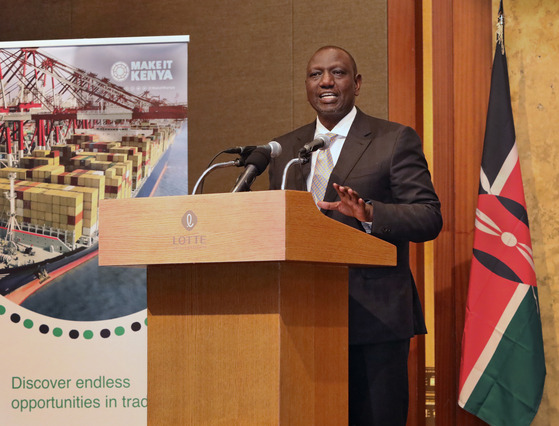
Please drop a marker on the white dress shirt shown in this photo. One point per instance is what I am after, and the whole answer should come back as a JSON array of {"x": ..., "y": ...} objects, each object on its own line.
[{"x": 341, "y": 129}]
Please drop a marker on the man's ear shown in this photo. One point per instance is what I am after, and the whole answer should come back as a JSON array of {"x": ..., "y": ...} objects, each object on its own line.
[{"x": 357, "y": 84}]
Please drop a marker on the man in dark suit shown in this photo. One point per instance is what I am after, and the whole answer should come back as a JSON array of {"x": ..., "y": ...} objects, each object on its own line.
[{"x": 379, "y": 184}]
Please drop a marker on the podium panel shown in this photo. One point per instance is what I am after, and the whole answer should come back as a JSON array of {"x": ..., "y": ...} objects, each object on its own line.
[{"x": 247, "y": 344}]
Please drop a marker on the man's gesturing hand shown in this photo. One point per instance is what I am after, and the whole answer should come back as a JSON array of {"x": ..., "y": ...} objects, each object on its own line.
[{"x": 350, "y": 204}]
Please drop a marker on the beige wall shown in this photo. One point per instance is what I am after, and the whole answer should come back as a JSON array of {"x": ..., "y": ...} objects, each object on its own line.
[
  {"x": 532, "y": 51},
  {"x": 246, "y": 58}
]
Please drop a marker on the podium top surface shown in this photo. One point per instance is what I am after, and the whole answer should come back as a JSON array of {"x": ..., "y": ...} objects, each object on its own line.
[{"x": 232, "y": 227}]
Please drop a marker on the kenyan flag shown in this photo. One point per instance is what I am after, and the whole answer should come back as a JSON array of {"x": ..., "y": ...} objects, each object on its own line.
[{"x": 502, "y": 372}]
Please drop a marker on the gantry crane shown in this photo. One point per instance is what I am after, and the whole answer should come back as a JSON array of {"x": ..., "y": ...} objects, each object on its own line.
[{"x": 42, "y": 100}]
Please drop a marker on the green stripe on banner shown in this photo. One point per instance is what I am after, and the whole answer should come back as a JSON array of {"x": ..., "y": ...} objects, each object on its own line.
[{"x": 510, "y": 389}]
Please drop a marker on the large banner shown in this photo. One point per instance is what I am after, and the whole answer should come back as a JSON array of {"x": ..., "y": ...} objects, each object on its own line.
[{"x": 80, "y": 121}]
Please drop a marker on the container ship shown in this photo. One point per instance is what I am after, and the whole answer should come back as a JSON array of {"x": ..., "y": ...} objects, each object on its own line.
[{"x": 49, "y": 203}]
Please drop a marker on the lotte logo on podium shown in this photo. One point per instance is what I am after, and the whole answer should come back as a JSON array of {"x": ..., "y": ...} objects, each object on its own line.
[{"x": 189, "y": 220}]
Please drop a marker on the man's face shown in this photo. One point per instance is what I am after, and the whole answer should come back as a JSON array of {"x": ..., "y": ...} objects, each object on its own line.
[{"x": 332, "y": 85}]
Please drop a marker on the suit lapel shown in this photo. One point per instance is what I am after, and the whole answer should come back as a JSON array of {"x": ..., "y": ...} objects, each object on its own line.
[{"x": 358, "y": 139}]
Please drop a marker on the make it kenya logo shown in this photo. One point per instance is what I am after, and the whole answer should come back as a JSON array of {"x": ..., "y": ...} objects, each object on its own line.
[{"x": 120, "y": 71}]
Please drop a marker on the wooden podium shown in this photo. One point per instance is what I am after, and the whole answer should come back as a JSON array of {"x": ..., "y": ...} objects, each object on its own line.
[{"x": 247, "y": 304}]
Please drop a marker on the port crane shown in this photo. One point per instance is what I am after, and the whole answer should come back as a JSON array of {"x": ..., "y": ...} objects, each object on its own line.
[{"x": 43, "y": 100}]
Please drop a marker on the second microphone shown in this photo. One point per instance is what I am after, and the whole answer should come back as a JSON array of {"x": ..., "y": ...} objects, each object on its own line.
[{"x": 255, "y": 164}]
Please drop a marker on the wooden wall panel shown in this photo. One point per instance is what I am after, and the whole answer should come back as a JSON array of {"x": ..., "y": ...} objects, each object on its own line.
[
  {"x": 405, "y": 106},
  {"x": 443, "y": 164},
  {"x": 361, "y": 28},
  {"x": 36, "y": 20},
  {"x": 462, "y": 33}
]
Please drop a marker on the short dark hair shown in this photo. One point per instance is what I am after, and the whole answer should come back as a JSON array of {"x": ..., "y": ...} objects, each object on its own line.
[{"x": 353, "y": 63}]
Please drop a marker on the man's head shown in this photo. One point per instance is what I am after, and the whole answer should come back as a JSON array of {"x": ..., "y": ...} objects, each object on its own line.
[{"x": 332, "y": 84}]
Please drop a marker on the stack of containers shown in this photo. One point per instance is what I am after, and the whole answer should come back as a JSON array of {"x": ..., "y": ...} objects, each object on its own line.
[
  {"x": 143, "y": 145},
  {"x": 82, "y": 161},
  {"x": 67, "y": 210},
  {"x": 90, "y": 207},
  {"x": 39, "y": 158},
  {"x": 41, "y": 204},
  {"x": 77, "y": 139},
  {"x": 66, "y": 207},
  {"x": 66, "y": 152},
  {"x": 43, "y": 173},
  {"x": 21, "y": 174},
  {"x": 83, "y": 178},
  {"x": 113, "y": 184},
  {"x": 135, "y": 157},
  {"x": 98, "y": 146},
  {"x": 32, "y": 162},
  {"x": 119, "y": 174}
]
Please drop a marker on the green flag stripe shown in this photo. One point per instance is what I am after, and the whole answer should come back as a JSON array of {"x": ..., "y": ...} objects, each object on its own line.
[
  {"x": 493, "y": 343},
  {"x": 510, "y": 389}
]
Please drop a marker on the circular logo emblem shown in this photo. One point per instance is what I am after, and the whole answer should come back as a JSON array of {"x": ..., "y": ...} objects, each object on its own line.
[
  {"x": 189, "y": 220},
  {"x": 120, "y": 71}
]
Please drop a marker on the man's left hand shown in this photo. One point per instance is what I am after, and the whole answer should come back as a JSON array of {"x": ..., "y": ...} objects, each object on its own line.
[{"x": 350, "y": 204}]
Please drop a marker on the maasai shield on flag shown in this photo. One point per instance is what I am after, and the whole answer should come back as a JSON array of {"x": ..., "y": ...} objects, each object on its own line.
[{"x": 502, "y": 371}]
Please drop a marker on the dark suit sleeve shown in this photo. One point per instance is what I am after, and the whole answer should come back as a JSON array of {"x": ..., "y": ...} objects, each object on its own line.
[{"x": 413, "y": 213}]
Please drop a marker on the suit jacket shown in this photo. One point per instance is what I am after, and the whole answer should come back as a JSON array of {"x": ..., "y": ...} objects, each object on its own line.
[{"x": 384, "y": 162}]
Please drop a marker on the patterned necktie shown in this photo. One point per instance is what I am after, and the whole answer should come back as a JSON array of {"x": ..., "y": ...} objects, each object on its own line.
[{"x": 322, "y": 170}]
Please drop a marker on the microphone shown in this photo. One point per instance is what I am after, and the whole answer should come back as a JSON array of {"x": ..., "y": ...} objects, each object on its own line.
[
  {"x": 272, "y": 146},
  {"x": 256, "y": 163},
  {"x": 320, "y": 142}
]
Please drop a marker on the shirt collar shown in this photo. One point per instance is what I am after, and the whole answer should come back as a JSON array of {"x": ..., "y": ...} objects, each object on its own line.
[{"x": 343, "y": 126}]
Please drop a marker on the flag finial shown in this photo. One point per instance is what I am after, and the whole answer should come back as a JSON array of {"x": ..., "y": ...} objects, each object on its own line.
[{"x": 500, "y": 33}]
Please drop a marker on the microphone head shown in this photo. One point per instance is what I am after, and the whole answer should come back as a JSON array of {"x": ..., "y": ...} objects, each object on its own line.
[
  {"x": 275, "y": 149},
  {"x": 259, "y": 158},
  {"x": 325, "y": 139},
  {"x": 319, "y": 142}
]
